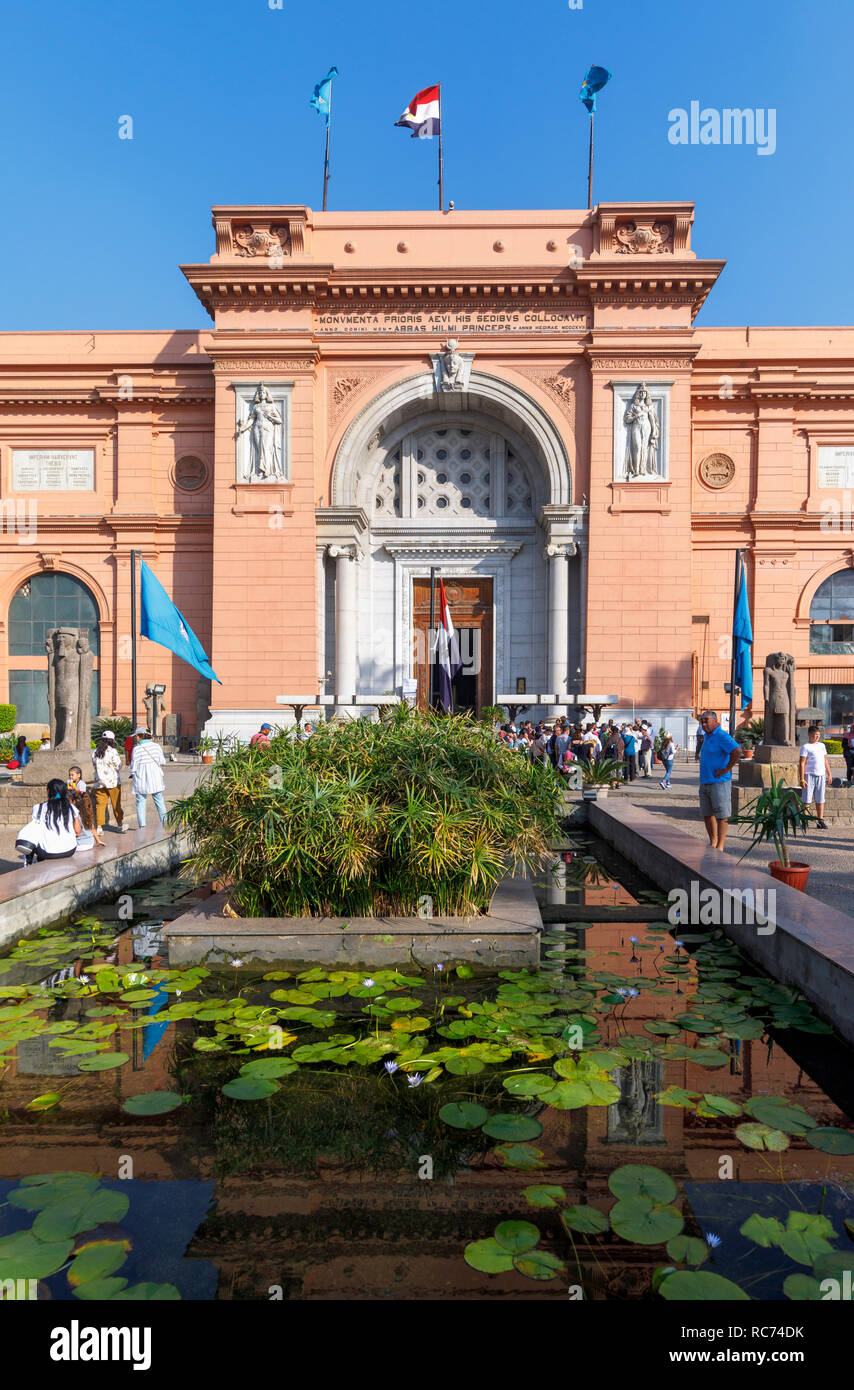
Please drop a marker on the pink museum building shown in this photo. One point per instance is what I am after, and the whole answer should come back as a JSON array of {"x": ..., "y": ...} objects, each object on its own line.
[{"x": 519, "y": 400}]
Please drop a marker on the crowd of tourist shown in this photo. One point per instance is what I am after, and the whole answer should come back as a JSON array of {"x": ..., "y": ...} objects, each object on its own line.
[{"x": 633, "y": 744}]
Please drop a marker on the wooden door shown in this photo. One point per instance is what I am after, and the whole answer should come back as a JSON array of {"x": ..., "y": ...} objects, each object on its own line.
[{"x": 470, "y": 602}]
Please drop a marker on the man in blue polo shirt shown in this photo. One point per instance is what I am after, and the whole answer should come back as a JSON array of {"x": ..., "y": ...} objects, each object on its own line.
[{"x": 718, "y": 756}]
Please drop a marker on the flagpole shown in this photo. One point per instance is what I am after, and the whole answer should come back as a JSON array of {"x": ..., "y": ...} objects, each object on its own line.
[
  {"x": 732, "y": 639},
  {"x": 328, "y": 145},
  {"x": 590, "y": 169},
  {"x": 133, "y": 556},
  {"x": 431, "y": 654},
  {"x": 441, "y": 155}
]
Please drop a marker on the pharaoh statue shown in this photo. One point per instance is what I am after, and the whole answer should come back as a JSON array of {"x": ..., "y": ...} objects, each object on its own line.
[
  {"x": 264, "y": 422},
  {"x": 84, "y": 703},
  {"x": 642, "y": 433},
  {"x": 778, "y": 688},
  {"x": 66, "y": 687}
]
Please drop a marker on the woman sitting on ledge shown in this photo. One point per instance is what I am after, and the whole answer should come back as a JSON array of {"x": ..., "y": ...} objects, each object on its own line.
[{"x": 58, "y": 825}]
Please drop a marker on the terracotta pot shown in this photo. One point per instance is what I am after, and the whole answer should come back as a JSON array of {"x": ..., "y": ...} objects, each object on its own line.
[
  {"x": 207, "y": 757},
  {"x": 746, "y": 754},
  {"x": 795, "y": 875}
]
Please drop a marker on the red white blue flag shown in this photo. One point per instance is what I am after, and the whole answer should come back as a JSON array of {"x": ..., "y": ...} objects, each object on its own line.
[
  {"x": 423, "y": 115},
  {"x": 447, "y": 653}
]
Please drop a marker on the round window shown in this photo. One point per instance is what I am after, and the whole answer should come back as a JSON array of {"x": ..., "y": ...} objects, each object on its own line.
[
  {"x": 441, "y": 477},
  {"x": 441, "y": 502},
  {"x": 441, "y": 454},
  {"x": 190, "y": 473},
  {"x": 465, "y": 501},
  {"x": 465, "y": 477},
  {"x": 421, "y": 477},
  {"x": 421, "y": 501},
  {"x": 465, "y": 453}
]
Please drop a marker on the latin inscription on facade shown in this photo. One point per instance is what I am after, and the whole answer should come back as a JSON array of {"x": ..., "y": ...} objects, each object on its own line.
[
  {"x": 53, "y": 470},
  {"x": 464, "y": 320},
  {"x": 836, "y": 466}
]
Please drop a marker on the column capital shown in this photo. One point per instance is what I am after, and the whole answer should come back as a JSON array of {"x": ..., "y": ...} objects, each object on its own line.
[
  {"x": 346, "y": 552},
  {"x": 556, "y": 550}
]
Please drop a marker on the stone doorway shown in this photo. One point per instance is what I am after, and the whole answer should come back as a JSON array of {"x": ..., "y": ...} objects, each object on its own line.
[{"x": 471, "y": 603}]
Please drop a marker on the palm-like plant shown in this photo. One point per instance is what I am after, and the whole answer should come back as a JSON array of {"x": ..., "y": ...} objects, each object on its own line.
[
  {"x": 776, "y": 814},
  {"x": 601, "y": 774},
  {"x": 365, "y": 819}
]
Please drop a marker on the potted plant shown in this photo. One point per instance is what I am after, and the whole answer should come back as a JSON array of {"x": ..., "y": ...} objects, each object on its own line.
[
  {"x": 206, "y": 748},
  {"x": 602, "y": 775},
  {"x": 776, "y": 814}
]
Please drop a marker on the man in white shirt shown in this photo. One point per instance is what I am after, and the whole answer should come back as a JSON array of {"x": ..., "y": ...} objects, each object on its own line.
[{"x": 814, "y": 771}]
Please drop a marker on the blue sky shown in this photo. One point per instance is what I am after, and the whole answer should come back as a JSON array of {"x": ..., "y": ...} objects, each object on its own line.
[{"x": 95, "y": 227}]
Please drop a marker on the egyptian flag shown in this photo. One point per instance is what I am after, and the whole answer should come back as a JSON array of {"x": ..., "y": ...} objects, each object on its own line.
[
  {"x": 447, "y": 653},
  {"x": 422, "y": 115}
]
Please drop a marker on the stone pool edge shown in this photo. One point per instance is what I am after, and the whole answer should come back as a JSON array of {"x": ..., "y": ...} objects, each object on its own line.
[
  {"x": 508, "y": 936},
  {"x": 44, "y": 893},
  {"x": 812, "y": 946}
]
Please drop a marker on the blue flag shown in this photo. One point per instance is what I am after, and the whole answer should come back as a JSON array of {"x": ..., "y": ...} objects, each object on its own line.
[
  {"x": 742, "y": 637},
  {"x": 161, "y": 622},
  {"x": 596, "y": 79},
  {"x": 322, "y": 98}
]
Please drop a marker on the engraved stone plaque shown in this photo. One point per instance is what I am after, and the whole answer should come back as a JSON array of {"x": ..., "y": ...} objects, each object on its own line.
[
  {"x": 836, "y": 465},
  {"x": 53, "y": 470}
]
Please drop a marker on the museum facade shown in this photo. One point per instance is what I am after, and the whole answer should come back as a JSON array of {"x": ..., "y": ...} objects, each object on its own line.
[{"x": 519, "y": 401}]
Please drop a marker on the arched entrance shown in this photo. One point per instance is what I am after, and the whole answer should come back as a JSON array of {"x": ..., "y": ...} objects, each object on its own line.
[
  {"x": 42, "y": 602},
  {"x": 475, "y": 485}
]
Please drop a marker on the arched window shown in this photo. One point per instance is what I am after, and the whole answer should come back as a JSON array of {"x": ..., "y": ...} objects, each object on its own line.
[
  {"x": 832, "y": 616},
  {"x": 45, "y": 601}
]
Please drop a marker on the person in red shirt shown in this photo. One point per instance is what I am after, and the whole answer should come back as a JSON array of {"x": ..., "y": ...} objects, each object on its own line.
[
  {"x": 848, "y": 745},
  {"x": 129, "y": 742},
  {"x": 262, "y": 738}
]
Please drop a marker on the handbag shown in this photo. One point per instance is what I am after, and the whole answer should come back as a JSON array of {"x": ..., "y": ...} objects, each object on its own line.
[{"x": 29, "y": 839}]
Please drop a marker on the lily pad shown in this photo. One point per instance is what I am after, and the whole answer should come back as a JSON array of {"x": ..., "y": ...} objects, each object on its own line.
[
  {"x": 103, "y": 1061},
  {"x": 269, "y": 1067},
  {"x": 81, "y": 1211},
  {"x": 463, "y": 1066},
  {"x": 524, "y": 1156},
  {"x": 516, "y": 1128},
  {"x": 583, "y": 1218},
  {"x": 97, "y": 1262},
  {"x": 517, "y": 1236},
  {"x": 24, "y": 1256},
  {"x": 642, "y": 1180},
  {"x": 802, "y": 1288},
  {"x": 831, "y": 1140},
  {"x": 488, "y": 1257},
  {"x": 758, "y": 1136},
  {"x": 249, "y": 1088},
  {"x": 644, "y": 1222},
  {"x": 688, "y": 1250},
  {"x": 687, "y": 1286},
  {"x": 464, "y": 1115},
  {"x": 152, "y": 1103},
  {"x": 528, "y": 1084},
  {"x": 539, "y": 1264},
  {"x": 544, "y": 1195},
  {"x": 45, "y": 1102}
]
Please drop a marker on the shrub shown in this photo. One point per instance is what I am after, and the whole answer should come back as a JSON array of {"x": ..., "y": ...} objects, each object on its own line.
[
  {"x": 8, "y": 718},
  {"x": 368, "y": 819},
  {"x": 833, "y": 745},
  {"x": 120, "y": 724},
  {"x": 494, "y": 714}
]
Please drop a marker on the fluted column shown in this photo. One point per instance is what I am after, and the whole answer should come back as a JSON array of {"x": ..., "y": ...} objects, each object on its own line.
[
  {"x": 346, "y": 618},
  {"x": 558, "y": 555}
]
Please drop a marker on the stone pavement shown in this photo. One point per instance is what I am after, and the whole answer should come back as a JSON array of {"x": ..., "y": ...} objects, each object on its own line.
[
  {"x": 829, "y": 852},
  {"x": 180, "y": 779}
]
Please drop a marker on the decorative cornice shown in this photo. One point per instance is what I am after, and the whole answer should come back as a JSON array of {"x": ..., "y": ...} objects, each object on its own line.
[
  {"x": 265, "y": 364},
  {"x": 472, "y": 545}
]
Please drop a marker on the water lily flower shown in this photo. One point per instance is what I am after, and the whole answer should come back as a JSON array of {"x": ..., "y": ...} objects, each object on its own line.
[
  {"x": 677, "y": 944},
  {"x": 416, "y": 1079},
  {"x": 391, "y": 1067},
  {"x": 713, "y": 1241},
  {"x": 84, "y": 979},
  {"x": 633, "y": 993},
  {"x": 236, "y": 963},
  {"x": 368, "y": 984},
  {"x": 440, "y": 966},
  {"x": 621, "y": 991},
  {"x": 634, "y": 940}
]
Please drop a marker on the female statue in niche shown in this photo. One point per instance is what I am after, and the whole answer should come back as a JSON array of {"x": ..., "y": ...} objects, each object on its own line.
[
  {"x": 265, "y": 423},
  {"x": 642, "y": 432}
]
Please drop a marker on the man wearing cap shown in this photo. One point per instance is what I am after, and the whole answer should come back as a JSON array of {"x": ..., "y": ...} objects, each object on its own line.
[
  {"x": 108, "y": 767},
  {"x": 262, "y": 738},
  {"x": 147, "y": 776}
]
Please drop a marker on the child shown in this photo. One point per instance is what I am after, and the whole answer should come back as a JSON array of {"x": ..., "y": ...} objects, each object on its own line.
[
  {"x": 90, "y": 835},
  {"x": 814, "y": 770},
  {"x": 75, "y": 780}
]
